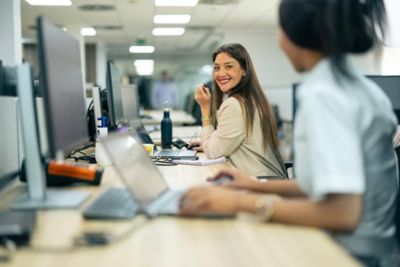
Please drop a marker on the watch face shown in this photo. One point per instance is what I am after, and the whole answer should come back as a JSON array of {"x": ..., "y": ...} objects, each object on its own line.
[{"x": 265, "y": 207}]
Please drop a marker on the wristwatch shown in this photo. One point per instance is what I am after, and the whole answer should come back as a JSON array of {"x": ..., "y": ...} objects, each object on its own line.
[
  {"x": 206, "y": 118},
  {"x": 264, "y": 207}
]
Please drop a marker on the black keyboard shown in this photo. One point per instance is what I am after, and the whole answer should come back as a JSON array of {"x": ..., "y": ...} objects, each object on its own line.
[{"x": 114, "y": 203}]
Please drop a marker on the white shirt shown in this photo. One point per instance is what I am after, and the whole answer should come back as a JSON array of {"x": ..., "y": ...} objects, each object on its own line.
[{"x": 343, "y": 144}]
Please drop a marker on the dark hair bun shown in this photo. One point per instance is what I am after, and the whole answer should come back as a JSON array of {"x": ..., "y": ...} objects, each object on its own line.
[{"x": 331, "y": 26}]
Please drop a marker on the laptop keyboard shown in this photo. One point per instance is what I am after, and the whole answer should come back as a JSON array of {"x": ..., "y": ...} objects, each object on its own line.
[
  {"x": 169, "y": 153},
  {"x": 114, "y": 203},
  {"x": 166, "y": 204}
]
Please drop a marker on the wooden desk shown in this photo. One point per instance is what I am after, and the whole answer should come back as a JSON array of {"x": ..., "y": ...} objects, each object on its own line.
[
  {"x": 168, "y": 241},
  {"x": 171, "y": 241},
  {"x": 178, "y": 117}
]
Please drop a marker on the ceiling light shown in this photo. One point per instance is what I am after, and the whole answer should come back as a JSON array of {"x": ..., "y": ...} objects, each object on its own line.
[
  {"x": 172, "y": 19},
  {"x": 49, "y": 2},
  {"x": 144, "y": 66},
  {"x": 176, "y": 2},
  {"x": 141, "y": 49},
  {"x": 88, "y": 32},
  {"x": 168, "y": 31}
]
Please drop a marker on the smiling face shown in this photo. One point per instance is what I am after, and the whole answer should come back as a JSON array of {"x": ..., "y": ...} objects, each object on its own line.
[{"x": 227, "y": 72}]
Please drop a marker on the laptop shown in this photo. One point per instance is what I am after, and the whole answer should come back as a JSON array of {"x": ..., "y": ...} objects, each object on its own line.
[
  {"x": 141, "y": 177},
  {"x": 165, "y": 153}
]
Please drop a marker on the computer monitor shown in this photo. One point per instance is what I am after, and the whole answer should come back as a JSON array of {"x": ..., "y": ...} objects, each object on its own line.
[
  {"x": 114, "y": 96},
  {"x": 9, "y": 141},
  {"x": 1, "y": 77},
  {"x": 63, "y": 89},
  {"x": 391, "y": 86},
  {"x": 130, "y": 103},
  {"x": 9, "y": 81}
]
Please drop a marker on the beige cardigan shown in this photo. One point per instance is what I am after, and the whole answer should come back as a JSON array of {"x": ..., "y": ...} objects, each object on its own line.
[{"x": 229, "y": 140}]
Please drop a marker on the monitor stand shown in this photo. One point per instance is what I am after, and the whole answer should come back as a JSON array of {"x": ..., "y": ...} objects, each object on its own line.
[{"x": 37, "y": 196}]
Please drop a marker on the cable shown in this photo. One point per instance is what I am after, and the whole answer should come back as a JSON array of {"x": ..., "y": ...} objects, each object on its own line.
[
  {"x": 10, "y": 248},
  {"x": 164, "y": 162},
  {"x": 90, "y": 240}
]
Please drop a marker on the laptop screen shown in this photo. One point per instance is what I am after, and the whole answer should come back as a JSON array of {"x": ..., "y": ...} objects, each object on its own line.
[{"x": 135, "y": 167}]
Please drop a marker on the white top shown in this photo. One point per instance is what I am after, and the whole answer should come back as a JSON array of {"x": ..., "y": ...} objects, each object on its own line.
[
  {"x": 229, "y": 139},
  {"x": 343, "y": 144}
]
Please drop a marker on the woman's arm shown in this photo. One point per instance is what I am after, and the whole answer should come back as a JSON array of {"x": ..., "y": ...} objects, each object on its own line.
[
  {"x": 230, "y": 131},
  {"x": 337, "y": 212},
  {"x": 240, "y": 180}
]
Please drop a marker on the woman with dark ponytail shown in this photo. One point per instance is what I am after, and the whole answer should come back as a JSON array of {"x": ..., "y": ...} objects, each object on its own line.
[{"x": 344, "y": 159}]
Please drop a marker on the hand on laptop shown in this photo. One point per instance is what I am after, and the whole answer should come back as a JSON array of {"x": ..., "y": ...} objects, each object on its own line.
[
  {"x": 234, "y": 178},
  {"x": 209, "y": 199},
  {"x": 195, "y": 145}
]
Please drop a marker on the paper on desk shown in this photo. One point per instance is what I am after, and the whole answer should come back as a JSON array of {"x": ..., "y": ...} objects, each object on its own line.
[{"x": 201, "y": 162}]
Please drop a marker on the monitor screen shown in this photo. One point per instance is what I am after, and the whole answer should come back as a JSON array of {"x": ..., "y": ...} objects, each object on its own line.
[
  {"x": 391, "y": 86},
  {"x": 114, "y": 96},
  {"x": 1, "y": 77},
  {"x": 9, "y": 81},
  {"x": 130, "y": 102},
  {"x": 62, "y": 85}
]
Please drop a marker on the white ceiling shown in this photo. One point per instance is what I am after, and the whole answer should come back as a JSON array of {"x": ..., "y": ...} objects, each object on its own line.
[{"x": 203, "y": 33}]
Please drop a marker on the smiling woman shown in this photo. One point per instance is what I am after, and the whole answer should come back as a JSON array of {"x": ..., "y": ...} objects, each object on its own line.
[{"x": 245, "y": 129}]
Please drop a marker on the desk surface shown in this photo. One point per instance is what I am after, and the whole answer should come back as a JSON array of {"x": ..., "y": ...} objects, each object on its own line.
[
  {"x": 169, "y": 241},
  {"x": 178, "y": 117}
]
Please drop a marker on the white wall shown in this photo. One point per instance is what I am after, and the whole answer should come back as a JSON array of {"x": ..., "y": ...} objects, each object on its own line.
[
  {"x": 272, "y": 66},
  {"x": 10, "y": 31},
  {"x": 390, "y": 61}
]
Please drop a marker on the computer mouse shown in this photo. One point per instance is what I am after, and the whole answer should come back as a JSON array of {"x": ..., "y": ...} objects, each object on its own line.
[{"x": 223, "y": 179}]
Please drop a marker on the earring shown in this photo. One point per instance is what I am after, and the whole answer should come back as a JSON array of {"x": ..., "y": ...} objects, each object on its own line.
[{"x": 244, "y": 74}]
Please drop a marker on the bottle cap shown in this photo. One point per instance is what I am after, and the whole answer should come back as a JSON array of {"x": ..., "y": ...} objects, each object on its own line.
[{"x": 166, "y": 113}]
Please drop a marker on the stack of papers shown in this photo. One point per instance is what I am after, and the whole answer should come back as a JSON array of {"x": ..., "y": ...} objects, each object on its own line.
[{"x": 201, "y": 162}]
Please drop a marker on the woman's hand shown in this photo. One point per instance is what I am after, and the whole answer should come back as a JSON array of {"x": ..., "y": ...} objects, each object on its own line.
[
  {"x": 203, "y": 98},
  {"x": 238, "y": 179},
  {"x": 210, "y": 199},
  {"x": 196, "y": 145}
]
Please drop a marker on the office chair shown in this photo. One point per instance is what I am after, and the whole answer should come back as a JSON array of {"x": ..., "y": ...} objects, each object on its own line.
[
  {"x": 288, "y": 164},
  {"x": 278, "y": 119}
]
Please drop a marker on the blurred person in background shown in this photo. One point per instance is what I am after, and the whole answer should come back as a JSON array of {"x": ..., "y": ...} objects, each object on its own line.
[{"x": 165, "y": 93}]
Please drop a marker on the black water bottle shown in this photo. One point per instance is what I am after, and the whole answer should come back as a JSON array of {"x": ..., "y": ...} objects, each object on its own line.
[{"x": 166, "y": 130}]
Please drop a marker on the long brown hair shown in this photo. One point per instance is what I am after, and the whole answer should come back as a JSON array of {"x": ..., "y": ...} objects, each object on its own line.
[{"x": 249, "y": 94}]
